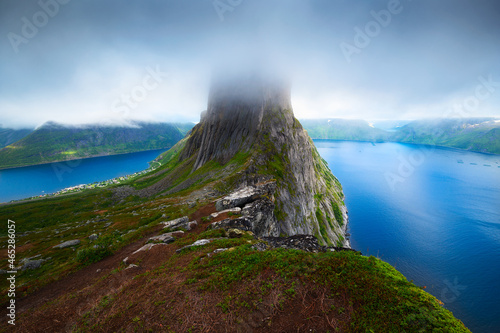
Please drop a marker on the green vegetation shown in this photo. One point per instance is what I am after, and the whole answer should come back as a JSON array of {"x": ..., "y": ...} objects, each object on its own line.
[
  {"x": 343, "y": 129},
  {"x": 53, "y": 142},
  {"x": 337, "y": 213},
  {"x": 356, "y": 293},
  {"x": 9, "y": 135},
  {"x": 475, "y": 134},
  {"x": 392, "y": 304},
  {"x": 98, "y": 250}
]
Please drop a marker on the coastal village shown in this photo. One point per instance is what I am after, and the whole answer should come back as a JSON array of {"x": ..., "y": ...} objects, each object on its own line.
[{"x": 104, "y": 183}]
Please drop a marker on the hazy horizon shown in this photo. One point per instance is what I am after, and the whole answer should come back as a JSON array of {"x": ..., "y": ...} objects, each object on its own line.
[{"x": 94, "y": 61}]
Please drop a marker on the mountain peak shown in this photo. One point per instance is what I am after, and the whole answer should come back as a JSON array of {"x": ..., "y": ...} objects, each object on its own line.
[
  {"x": 233, "y": 120},
  {"x": 253, "y": 116}
]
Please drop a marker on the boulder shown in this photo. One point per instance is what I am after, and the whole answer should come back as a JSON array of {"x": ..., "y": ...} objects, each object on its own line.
[
  {"x": 32, "y": 264},
  {"x": 217, "y": 251},
  {"x": 180, "y": 223},
  {"x": 197, "y": 243},
  {"x": 93, "y": 237},
  {"x": 235, "y": 233},
  {"x": 242, "y": 223},
  {"x": 25, "y": 260},
  {"x": 261, "y": 246},
  {"x": 164, "y": 238},
  {"x": 258, "y": 217},
  {"x": 147, "y": 247},
  {"x": 174, "y": 223},
  {"x": 230, "y": 210},
  {"x": 245, "y": 195},
  {"x": 68, "y": 244},
  {"x": 261, "y": 216}
]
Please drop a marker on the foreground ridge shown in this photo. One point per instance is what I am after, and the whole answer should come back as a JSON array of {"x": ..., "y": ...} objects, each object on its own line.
[{"x": 241, "y": 229}]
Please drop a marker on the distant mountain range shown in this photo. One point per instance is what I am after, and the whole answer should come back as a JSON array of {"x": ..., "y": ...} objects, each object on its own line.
[
  {"x": 57, "y": 142},
  {"x": 9, "y": 135},
  {"x": 53, "y": 142},
  {"x": 343, "y": 129},
  {"x": 474, "y": 134}
]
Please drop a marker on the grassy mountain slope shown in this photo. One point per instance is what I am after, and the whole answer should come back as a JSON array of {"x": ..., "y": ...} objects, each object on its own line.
[
  {"x": 107, "y": 285},
  {"x": 54, "y": 142},
  {"x": 475, "y": 134},
  {"x": 237, "y": 290},
  {"x": 9, "y": 135},
  {"x": 343, "y": 129}
]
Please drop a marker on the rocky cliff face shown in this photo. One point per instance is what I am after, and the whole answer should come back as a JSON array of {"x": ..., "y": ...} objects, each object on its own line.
[{"x": 253, "y": 117}]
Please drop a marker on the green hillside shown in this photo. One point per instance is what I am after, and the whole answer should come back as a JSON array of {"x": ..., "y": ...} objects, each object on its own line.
[
  {"x": 55, "y": 142},
  {"x": 175, "y": 289},
  {"x": 9, "y": 135},
  {"x": 474, "y": 134},
  {"x": 343, "y": 129}
]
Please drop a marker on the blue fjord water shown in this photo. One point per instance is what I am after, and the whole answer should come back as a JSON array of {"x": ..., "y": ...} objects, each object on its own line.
[
  {"x": 433, "y": 213},
  {"x": 35, "y": 180}
]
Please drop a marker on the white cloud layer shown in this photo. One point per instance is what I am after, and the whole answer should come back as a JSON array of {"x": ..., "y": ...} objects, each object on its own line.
[{"x": 103, "y": 61}]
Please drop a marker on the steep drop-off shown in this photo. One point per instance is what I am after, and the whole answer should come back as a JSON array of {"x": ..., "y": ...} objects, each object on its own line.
[
  {"x": 253, "y": 117},
  {"x": 186, "y": 247}
]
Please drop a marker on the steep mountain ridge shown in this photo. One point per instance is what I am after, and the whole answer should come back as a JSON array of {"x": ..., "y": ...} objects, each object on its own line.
[
  {"x": 255, "y": 117},
  {"x": 186, "y": 246}
]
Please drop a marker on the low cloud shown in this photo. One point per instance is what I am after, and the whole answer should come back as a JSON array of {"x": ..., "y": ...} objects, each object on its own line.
[{"x": 92, "y": 61}]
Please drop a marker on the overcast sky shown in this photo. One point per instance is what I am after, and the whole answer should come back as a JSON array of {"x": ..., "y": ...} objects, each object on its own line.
[{"x": 109, "y": 60}]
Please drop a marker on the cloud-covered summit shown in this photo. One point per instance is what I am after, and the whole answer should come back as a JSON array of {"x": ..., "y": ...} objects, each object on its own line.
[{"x": 90, "y": 61}]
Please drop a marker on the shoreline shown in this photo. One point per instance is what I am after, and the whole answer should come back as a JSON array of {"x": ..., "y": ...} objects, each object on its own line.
[
  {"x": 83, "y": 187},
  {"x": 82, "y": 158},
  {"x": 414, "y": 144}
]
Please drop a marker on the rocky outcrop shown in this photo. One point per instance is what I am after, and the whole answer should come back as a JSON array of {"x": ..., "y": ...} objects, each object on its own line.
[
  {"x": 257, "y": 213},
  {"x": 147, "y": 247},
  {"x": 197, "y": 243},
  {"x": 164, "y": 238},
  {"x": 250, "y": 122},
  {"x": 67, "y": 244},
  {"x": 245, "y": 195},
  {"x": 180, "y": 223},
  {"x": 242, "y": 223},
  {"x": 235, "y": 210},
  {"x": 261, "y": 214},
  {"x": 306, "y": 243}
]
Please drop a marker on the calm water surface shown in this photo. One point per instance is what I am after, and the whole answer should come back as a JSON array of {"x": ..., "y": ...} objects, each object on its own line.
[
  {"x": 35, "y": 180},
  {"x": 433, "y": 213}
]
